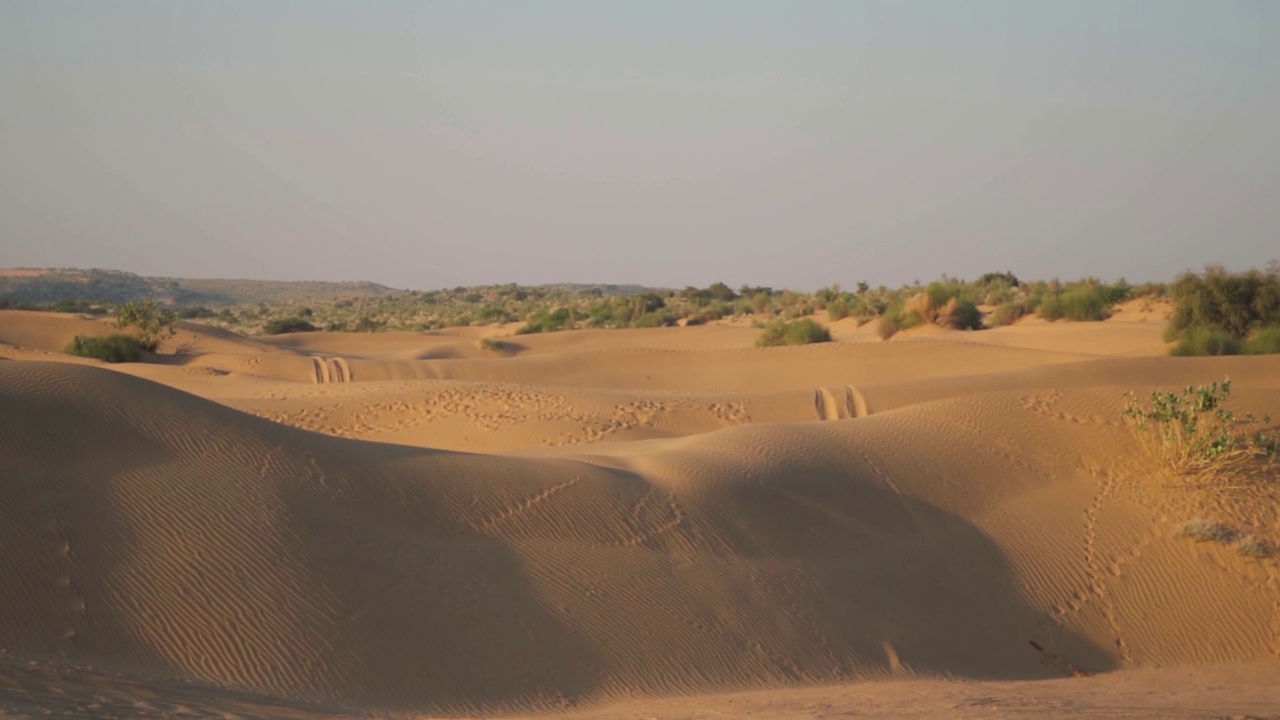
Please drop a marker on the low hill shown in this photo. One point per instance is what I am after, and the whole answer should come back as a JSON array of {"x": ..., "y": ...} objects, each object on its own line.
[{"x": 50, "y": 285}]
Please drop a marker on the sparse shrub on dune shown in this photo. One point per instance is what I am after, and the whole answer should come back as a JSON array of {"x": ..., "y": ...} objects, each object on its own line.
[
  {"x": 959, "y": 314},
  {"x": 796, "y": 332},
  {"x": 495, "y": 345},
  {"x": 150, "y": 321},
  {"x": 118, "y": 348},
  {"x": 1202, "y": 530},
  {"x": 938, "y": 307},
  {"x": 1196, "y": 437},
  {"x": 1254, "y": 547},
  {"x": 1006, "y": 314}
]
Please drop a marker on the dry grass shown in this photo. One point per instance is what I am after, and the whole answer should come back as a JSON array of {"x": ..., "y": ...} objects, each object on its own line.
[
  {"x": 1202, "y": 530},
  {"x": 1254, "y": 547}
]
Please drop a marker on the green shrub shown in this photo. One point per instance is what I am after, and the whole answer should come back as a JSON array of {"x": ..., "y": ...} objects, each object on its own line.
[
  {"x": 151, "y": 321},
  {"x": 1206, "y": 341},
  {"x": 1081, "y": 304},
  {"x": 118, "y": 348},
  {"x": 658, "y": 318},
  {"x": 1266, "y": 342},
  {"x": 796, "y": 332},
  {"x": 1235, "y": 303},
  {"x": 1195, "y": 436},
  {"x": 288, "y": 325},
  {"x": 544, "y": 322},
  {"x": 960, "y": 314}
]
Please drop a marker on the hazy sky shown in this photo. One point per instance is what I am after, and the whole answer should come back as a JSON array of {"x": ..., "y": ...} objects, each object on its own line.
[{"x": 791, "y": 144}]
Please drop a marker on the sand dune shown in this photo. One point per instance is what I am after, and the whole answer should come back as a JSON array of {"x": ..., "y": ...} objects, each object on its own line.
[{"x": 593, "y": 525}]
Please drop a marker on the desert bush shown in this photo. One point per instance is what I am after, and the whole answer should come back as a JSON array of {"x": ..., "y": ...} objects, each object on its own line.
[
  {"x": 1266, "y": 342},
  {"x": 1199, "y": 341},
  {"x": 544, "y": 322},
  {"x": 1238, "y": 304},
  {"x": 1202, "y": 530},
  {"x": 886, "y": 327},
  {"x": 1254, "y": 547},
  {"x": 1081, "y": 304},
  {"x": 959, "y": 314},
  {"x": 1205, "y": 341},
  {"x": 795, "y": 332},
  {"x": 151, "y": 322},
  {"x": 937, "y": 306},
  {"x": 118, "y": 348},
  {"x": 1196, "y": 437},
  {"x": 288, "y": 325},
  {"x": 659, "y": 318},
  {"x": 1007, "y": 314},
  {"x": 494, "y": 345}
]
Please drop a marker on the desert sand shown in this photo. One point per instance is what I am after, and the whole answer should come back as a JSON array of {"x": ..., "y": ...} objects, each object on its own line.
[{"x": 620, "y": 524}]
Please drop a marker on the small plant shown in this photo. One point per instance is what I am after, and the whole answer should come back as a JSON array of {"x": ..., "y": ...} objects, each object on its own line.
[
  {"x": 1254, "y": 547},
  {"x": 1195, "y": 436},
  {"x": 1202, "y": 530},
  {"x": 796, "y": 332},
  {"x": 116, "y": 348}
]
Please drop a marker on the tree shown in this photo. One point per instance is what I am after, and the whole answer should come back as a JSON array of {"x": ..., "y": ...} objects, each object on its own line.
[{"x": 150, "y": 321}]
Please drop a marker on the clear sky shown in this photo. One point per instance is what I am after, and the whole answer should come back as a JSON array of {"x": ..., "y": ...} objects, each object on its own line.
[{"x": 791, "y": 144}]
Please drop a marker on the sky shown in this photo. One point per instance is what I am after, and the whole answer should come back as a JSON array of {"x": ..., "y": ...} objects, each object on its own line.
[{"x": 788, "y": 144}]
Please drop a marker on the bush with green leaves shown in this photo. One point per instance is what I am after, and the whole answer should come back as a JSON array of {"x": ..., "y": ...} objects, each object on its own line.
[
  {"x": 118, "y": 348},
  {"x": 149, "y": 321},
  {"x": 1195, "y": 436},
  {"x": 545, "y": 322},
  {"x": 1223, "y": 313},
  {"x": 1205, "y": 341},
  {"x": 796, "y": 332},
  {"x": 1199, "y": 341}
]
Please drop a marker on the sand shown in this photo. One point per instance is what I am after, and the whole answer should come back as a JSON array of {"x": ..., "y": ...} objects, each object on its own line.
[{"x": 627, "y": 523}]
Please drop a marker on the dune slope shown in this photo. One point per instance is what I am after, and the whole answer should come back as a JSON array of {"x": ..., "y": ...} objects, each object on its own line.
[{"x": 150, "y": 532}]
